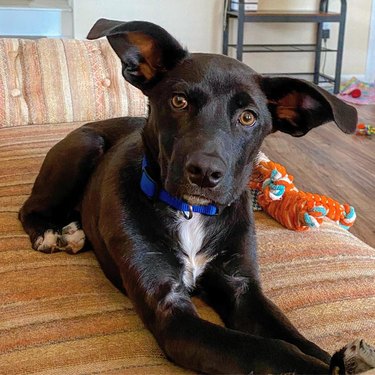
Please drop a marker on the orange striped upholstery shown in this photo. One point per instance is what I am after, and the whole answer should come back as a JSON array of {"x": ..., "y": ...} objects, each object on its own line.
[
  {"x": 49, "y": 81},
  {"x": 60, "y": 315}
]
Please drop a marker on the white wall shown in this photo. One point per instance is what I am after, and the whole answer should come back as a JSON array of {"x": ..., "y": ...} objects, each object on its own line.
[
  {"x": 194, "y": 23},
  {"x": 197, "y": 24},
  {"x": 370, "y": 66},
  {"x": 51, "y": 18}
]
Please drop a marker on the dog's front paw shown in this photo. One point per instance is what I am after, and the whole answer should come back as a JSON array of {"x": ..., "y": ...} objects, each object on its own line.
[
  {"x": 71, "y": 240},
  {"x": 47, "y": 243},
  {"x": 353, "y": 358}
]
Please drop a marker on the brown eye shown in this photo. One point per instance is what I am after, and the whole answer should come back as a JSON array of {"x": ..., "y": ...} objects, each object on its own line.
[
  {"x": 179, "y": 102},
  {"x": 247, "y": 118}
]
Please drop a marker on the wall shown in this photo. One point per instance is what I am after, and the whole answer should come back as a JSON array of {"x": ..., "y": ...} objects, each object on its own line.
[
  {"x": 21, "y": 18},
  {"x": 198, "y": 25},
  {"x": 195, "y": 23},
  {"x": 370, "y": 68},
  {"x": 357, "y": 36}
]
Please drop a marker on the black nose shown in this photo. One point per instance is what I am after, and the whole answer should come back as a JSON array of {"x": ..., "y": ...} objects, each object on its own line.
[{"x": 204, "y": 170}]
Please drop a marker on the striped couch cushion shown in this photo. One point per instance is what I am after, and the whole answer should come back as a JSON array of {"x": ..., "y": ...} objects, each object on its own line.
[
  {"x": 48, "y": 81},
  {"x": 60, "y": 315}
]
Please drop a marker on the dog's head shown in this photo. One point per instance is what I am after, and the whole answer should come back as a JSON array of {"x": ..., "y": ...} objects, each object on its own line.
[{"x": 210, "y": 113}]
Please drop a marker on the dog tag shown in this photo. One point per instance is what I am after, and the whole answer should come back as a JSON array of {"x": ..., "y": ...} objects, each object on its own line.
[{"x": 188, "y": 214}]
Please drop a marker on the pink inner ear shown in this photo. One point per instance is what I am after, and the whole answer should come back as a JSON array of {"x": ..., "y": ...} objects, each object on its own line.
[
  {"x": 309, "y": 103},
  {"x": 289, "y": 106},
  {"x": 298, "y": 100}
]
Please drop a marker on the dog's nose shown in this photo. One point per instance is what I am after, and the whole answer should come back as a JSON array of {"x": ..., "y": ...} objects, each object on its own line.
[{"x": 205, "y": 171}]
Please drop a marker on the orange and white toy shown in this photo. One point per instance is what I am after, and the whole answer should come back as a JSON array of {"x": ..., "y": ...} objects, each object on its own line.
[{"x": 294, "y": 209}]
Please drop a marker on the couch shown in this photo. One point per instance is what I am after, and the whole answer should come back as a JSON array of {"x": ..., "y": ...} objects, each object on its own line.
[{"x": 59, "y": 314}]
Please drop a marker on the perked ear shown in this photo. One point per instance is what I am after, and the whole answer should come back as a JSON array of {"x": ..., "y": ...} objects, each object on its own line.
[
  {"x": 297, "y": 106},
  {"x": 145, "y": 49}
]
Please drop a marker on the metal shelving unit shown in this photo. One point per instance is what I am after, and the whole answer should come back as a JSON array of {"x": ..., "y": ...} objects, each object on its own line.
[{"x": 319, "y": 17}]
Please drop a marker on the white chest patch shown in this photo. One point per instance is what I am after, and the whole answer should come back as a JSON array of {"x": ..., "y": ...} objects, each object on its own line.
[{"x": 191, "y": 236}]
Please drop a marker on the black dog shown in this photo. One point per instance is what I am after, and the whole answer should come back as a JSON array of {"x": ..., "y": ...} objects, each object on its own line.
[{"x": 163, "y": 200}]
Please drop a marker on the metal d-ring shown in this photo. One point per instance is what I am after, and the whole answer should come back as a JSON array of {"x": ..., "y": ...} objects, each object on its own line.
[{"x": 188, "y": 214}]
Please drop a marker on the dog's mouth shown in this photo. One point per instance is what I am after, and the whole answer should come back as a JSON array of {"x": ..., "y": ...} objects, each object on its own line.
[
  {"x": 196, "y": 200},
  {"x": 196, "y": 196}
]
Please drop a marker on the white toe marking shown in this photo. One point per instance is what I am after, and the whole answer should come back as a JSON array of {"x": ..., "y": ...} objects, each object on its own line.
[
  {"x": 70, "y": 228},
  {"x": 47, "y": 241},
  {"x": 74, "y": 237},
  {"x": 38, "y": 241},
  {"x": 359, "y": 357},
  {"x": 71, "y": 240}
]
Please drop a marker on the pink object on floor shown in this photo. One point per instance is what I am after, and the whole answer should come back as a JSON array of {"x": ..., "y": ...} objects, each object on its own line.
[{"x": 350, "y": 90}]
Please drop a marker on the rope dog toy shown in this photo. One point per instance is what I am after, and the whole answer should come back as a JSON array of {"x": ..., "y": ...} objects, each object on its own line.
[{"x": 294, "y": 209}]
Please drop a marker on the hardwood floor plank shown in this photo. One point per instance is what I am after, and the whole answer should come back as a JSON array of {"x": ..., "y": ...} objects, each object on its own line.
[{"x": 327, "y": 161}]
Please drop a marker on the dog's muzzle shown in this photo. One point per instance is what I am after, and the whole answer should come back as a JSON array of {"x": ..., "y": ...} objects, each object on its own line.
[{"x": 150, "y": 188}]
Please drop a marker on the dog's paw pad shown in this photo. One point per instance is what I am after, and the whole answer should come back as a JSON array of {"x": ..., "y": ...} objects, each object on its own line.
[
  {"x": 354, "y": 358},
  {"x": 48, "y": 242},
  {"x": 72, "y": 238}
]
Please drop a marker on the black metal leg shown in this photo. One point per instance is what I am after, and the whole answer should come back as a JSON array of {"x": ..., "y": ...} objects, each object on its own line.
[
  {"x": 340, "y": 48},
  {"x": 240, "y": 30},
  {"x": 323, "y": 7},
  {"x": 226, "y": 36},
  {"x": 226, "y": 27},
  {"x": 318, "y": 52}
]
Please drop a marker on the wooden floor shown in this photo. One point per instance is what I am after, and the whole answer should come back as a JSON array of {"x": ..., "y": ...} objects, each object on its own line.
[{"x": 327, "y": 161}]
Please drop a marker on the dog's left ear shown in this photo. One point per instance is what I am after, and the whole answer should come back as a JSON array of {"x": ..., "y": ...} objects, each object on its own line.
[
  {"x": 146, "y": 50},
  {"x": 297, "y": 106}
]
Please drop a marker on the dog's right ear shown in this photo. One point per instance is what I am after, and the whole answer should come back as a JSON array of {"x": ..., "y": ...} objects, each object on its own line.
[{"x": 146, "y": 50}]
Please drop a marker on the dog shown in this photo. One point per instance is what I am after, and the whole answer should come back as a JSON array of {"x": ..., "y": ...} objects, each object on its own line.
[{"x": 163, "y": 200}]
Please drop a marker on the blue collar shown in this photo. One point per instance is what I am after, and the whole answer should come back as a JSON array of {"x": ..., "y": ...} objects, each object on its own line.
[{"x": 149, "y": 187}]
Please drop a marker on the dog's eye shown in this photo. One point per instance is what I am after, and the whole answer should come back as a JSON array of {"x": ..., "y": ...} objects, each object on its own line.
[
  {"x": 247, "y": 118},
  {"x": 179, "y": 102}
]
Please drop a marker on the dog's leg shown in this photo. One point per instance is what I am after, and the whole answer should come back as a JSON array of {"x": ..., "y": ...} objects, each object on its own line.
[
  {"x": 48, "y": 215},
  {"x": 271, "y": 322},
  {"x": 239, "y": 300},
  {"x": 155, "y": 287}
]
